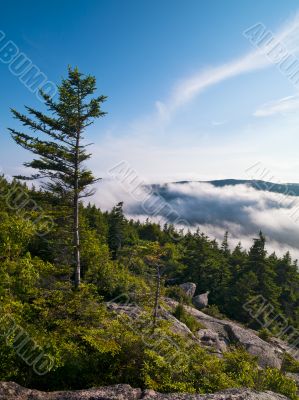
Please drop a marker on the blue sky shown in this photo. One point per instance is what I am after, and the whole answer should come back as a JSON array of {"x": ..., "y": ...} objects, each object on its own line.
[{"x": 169, "y": 116}]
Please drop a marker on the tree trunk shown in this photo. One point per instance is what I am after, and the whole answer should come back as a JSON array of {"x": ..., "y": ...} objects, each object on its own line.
[
  {"x": 77, "y": 242},
  {"x": 157, "y": 296}
]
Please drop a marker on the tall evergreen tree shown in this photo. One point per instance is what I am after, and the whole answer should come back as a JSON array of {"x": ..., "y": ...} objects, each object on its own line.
[
  {"x": 57, "y": 140},
  {"x": 261, "y": 266},
  {"x": 116, "y": 231},
  {"x": 224, "y": 245}
]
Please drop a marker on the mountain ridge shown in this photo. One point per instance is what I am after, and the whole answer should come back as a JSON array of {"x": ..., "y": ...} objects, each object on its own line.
[{"x": 291, "y": 189}]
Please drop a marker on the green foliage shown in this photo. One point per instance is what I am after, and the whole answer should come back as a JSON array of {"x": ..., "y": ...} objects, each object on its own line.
[
  {"x": 182, "y": 315},
  {"x": 290, "y": 364},
  {"x": 116, "y": 229},
  {"x": 58, "y": 142},
  {"x": 178, "y": 294},
  {"x": 15, "y": 234},
  {"x": 90, "y": 345},
  {"x": 274, "y": 380},
  {"x": 195, "y": 371},
  {"x": 188, "y": 369},
  {"x": 265, "y": 334},
  {"x": 241, "y": 367},
  {"x": 213, "y": 311},
  {"x": 61, "y": 159}
]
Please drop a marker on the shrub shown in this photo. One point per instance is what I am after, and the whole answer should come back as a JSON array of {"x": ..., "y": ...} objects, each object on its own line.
[
  {"x": 213, "y": 311},
  {"x": 265, "y": 334},
  {"x": 274, "y": 380},
  {"x": 178, "y": 294},
  {"x": 182, "y": 315},
  {"x": 290, "y": 364},
  {"x": 241, "y": 367}
]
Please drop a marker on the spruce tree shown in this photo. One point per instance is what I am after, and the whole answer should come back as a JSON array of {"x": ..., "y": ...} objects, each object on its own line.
[
  {"x": 224, "y": 245},
  {"x": 116, "y": 231},
  {"x": 261, "y": 266},
  {"x": 57, "y": 140}
]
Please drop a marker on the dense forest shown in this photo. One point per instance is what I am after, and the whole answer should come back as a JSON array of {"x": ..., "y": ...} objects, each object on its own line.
[{"x": 56, "y": 285}]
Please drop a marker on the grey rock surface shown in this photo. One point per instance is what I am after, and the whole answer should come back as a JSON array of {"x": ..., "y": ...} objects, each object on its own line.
[
  {"x": 221, "y": 333},
  {"x": 12, "y": 391},
  {"x": 231, "y": 394},
  {"x": 210, "y": 339},
  {"x": 218, "y": 334},
  {"x": 189, "y": 288},
  {"x": 201, "y": 301}
]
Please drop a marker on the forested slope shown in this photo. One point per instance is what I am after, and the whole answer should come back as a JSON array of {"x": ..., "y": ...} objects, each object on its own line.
[{"x": 73, "y": 340}]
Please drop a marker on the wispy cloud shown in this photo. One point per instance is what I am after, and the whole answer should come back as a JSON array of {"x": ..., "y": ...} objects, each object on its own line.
[
  {"x": 281, "y": 106},
  {"x": 187, "y": 89}
]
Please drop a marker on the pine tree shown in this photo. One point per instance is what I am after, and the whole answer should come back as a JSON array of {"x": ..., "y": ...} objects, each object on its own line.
[
  {"x": 288, "y": 280},
  {"x": 57, "y": 140},
  {"x": 260, "y": 264},
  {"x": 116, "y": 229},
  {"x": 224, "y": 245}
]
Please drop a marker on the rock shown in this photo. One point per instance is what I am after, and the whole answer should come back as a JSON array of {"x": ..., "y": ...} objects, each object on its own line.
[
  {"x": 219, "y": 334},
  {"x": 201, "y": 301},
  {"x": 131, "y": 310},
  {"x": 210, "y": 339},
  {"x": 12, "y": 391},
  {"x": 266, "y": 354},
  {"x": 177, "y": 326},
  {"x": 283, "y": 347},
  {"x": 230, "y": 394},
  {"x": 189, "y": 288}
]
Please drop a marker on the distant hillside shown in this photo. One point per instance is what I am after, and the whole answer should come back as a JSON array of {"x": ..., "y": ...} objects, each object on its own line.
[{"x": 291, "y": 189}]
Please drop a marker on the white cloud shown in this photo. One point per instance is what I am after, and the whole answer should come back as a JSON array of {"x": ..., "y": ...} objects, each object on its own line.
[
  {"x": 281, "y": 106},
  {"x": 240, "y": 209},
  {"x": 187, "y": 89}
]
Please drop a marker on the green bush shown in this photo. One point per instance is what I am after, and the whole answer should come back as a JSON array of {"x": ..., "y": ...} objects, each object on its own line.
[
  {"x": 213, "y": 311},
  {"x": 241, "y": 367},
  {"x": 274, "y": 380},
  {"x": 290, "y": 364},
  {"x": 182, "y": 315},
  {"x": 178, "y": 294},
  {"x": 265, "y": 334}
]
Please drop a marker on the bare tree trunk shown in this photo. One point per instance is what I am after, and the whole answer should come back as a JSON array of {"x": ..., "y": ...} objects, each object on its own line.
[
  {"x": 77, "y": 242},
  {"x": 76, "y": 204},
  {"x": 157, "y": 295}
]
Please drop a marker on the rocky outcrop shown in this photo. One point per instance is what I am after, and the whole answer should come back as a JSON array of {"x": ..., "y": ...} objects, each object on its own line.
[
  {"x": 12, "y": 391},
  {"x": 231, "y": 394},
  {"x": 189, "y": 288},
  {"x": 219, "y": 334},
  {"x": 201, "y": 301},
  {"x": 210, "y": 339}
]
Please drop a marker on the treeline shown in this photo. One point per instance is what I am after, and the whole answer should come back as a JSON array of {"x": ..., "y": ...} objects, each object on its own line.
[{"x": 111, "y": 242}]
